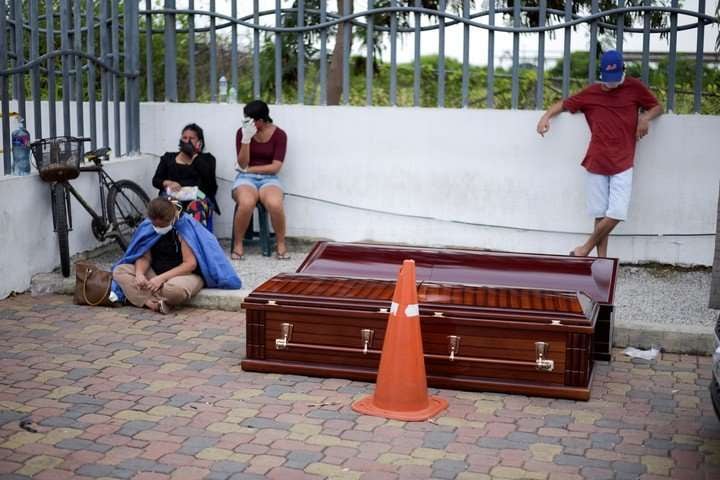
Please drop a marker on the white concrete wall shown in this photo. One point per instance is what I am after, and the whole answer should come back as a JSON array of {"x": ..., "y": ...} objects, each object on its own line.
[{"x": 484, "y": 176}]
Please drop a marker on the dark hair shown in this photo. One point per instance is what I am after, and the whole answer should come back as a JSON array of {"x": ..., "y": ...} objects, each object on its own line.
[
  {"x": 194, "y": 127},
  {"x": 161, "y": 208},
  {"x": 257, "y": 110}
]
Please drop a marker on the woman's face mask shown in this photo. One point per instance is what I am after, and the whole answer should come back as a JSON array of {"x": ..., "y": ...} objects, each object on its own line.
[
  {"x": 162, "y": 230},
  {"x": 187, "y": 148}
]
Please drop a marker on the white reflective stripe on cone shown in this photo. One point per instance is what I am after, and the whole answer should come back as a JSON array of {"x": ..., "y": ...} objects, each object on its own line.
[
  {"x": 394, "y": 308},
  {"x": 412, "y": 310}
]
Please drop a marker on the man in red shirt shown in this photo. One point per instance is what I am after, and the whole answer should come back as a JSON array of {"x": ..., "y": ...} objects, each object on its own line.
[{"x": 612, "y": 110}]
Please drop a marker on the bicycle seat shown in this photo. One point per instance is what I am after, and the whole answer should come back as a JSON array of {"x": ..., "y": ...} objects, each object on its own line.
[{"x": 99, "y": 154}]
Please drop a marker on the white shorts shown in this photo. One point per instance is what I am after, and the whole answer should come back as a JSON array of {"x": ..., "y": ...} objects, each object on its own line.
[{"x": 609, "y": 195}]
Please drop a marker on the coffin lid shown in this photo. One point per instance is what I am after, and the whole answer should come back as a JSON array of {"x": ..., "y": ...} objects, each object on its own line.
[
  {"x": 292, "y": 289},
  {"x": 595, "y": 277}
]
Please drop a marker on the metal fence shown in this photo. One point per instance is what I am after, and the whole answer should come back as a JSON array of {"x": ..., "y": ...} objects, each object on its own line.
[
  {"x": 289, "y": 46},
  {"x": 311, "y": 22},
  {"x": 71, "y": 51}
]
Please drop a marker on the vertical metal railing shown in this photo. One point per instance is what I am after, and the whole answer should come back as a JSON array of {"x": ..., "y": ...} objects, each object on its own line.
[
  {"x": 83, "y": 45},
  {"x": 41, "y": 39}
]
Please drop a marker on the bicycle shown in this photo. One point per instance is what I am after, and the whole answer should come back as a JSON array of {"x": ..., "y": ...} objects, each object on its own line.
[{"x": 58, "y": 161}]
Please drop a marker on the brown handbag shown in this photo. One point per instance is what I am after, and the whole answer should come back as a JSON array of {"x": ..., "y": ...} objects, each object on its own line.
[{"x": 92, "y": 285}]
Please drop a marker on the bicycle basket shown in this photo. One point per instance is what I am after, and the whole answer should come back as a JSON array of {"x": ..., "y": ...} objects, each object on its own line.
[{"x": 57, "y": 159}]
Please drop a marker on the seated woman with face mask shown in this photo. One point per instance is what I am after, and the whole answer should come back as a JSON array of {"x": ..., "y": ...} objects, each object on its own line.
[
  {"x": 171, "y": 257},
  {"x": 188, "y": 175}
]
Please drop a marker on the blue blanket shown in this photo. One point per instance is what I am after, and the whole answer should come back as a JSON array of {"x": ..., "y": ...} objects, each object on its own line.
[{"x": 214, "y": 265}]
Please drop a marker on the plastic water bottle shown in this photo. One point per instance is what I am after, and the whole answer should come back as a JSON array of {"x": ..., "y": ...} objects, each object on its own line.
[
  {"x": 222, "y": 88},
  {"x": 232, "y": 95},
  {"x": 20, "y": 139}
]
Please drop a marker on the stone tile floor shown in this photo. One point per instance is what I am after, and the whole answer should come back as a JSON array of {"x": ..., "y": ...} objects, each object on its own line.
[{"x": 127, "y": 393}]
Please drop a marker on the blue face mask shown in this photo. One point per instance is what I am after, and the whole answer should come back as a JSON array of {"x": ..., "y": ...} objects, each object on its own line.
[{"x": 162, "y": 230}]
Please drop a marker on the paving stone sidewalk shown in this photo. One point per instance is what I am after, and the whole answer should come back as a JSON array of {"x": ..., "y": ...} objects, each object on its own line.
[{"x": 130, "y": 394}]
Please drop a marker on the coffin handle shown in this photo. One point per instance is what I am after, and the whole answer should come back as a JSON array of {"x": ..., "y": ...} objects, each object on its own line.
[
  {"x": 286, "y": 332},
  {"x": 453, "y": 346},
  {"x": 367, "y": 337},
  {"x": 542, "y": 363}
]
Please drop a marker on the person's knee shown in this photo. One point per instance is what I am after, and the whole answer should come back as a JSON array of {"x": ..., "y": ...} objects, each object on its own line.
[
  {"x": 273, "y": 205},
  {"x": 176, "y": 294},
  {"x": 123, "y": 271}
]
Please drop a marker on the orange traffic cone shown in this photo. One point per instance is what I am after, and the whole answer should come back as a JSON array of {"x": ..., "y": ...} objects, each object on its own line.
[{"x": 401, "y": 389}]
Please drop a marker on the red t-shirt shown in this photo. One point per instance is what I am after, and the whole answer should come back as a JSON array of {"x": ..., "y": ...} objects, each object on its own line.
[
  {"x": 265, "y": 153},
  {"x": 613, "y": 117}
]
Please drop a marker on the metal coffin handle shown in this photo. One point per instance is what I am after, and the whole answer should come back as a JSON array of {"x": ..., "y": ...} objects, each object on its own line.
[
  {"x": 453, "y": 346},
  {"x": 286, "y": 332},
  {"x": 367, "y": 337},
  {"x": 541, "y": 363}
]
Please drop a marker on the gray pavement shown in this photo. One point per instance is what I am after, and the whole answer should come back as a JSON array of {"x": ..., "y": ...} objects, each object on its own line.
[{"x": 655, "y": 305}]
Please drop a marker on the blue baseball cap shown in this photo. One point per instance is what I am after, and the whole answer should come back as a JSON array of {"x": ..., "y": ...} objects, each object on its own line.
[{"x": 611, "y": 66}]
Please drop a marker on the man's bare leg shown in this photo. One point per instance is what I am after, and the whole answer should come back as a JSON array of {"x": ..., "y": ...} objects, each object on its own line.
[
  {"x": 599, "y": 238},
  {"x": 603, "y": 244}
]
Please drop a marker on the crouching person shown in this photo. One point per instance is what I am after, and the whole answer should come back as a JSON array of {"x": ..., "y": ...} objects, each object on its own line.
[{"x": 171, "y": 257}]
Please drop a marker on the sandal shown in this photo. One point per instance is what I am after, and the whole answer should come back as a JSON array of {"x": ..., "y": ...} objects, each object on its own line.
[
  {"x": 282, "y": 256},
  {"x": 237, "y": 256}
]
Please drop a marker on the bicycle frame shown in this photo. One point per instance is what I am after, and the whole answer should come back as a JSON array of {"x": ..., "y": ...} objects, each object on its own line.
[{"x": 105, "y": 182}]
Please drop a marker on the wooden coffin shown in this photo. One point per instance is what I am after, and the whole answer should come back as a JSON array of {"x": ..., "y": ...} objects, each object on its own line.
[
  {"x": 475, "y": 337},
  {"x": 595, "y": 277}
]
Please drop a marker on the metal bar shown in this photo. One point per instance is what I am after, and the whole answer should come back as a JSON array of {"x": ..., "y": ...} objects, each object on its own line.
[
  {"x": 698, "y": 59},
  {"x": 50, "y": 46},
  {"x": 256, "y": 50},
  {"x": 441, "y": 56},
  {"x": 19, "y": 58},
  {"x": 79, "y": 95},
  {"x": 33, "y": 14},
  {"x": 417, "y": 72},
  {"x": 592, "y": 64},
  {"x": 490, "y": 100},
  {"x": 393, "y": 55},
  {"x": 65, "y": 45},
  {"x": 369, "y": 55},
  {"x": 301, "y": 53},
  {"x": 11, "y": 43},
  {"x": 127, "y": 63},
  {"x": 191, "y": 53},
  {"x": 233, "y": 50},
  {"x": 133, "y": 126},
  {"x": 323, "y": 54},
  {"x": 516, "y": 58},
  {"x": 92, "y": 112},
  {"x": 171, "y": 93},
  {"x": 115, "y": 38},
  {"x": 646, "y": 44},
  {"x": 4, "y": 92},
  {"x": 673, "y": 55},
  {"x": 466, "y": 55},
  {"x": 105, "y": 81},
  {"x": 620, "y": 27},
  {"x": 149, "y": 74},
  {"x": 213, "y": 56},
  {"x": 278, "y": 54},
  {"x": 347, "y": 30},
  {"x": 540, "y": 80},
  {"x": 566, "y": 51}
]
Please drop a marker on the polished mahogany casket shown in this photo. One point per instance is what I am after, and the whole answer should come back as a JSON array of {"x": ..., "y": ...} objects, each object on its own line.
[{"x": 490, "y": 321}]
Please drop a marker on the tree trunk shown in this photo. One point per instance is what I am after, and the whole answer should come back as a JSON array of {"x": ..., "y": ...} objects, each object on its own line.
[
  {"x": 334, "y": 82},
  {"x": 715, "y": 285}
]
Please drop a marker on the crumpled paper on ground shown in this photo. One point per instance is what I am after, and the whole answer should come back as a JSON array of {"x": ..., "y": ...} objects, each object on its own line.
[{"x": 644, "y": 354}]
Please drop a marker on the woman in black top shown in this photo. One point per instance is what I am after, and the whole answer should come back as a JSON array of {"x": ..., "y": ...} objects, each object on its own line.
[{"x": 190, "y": 167}]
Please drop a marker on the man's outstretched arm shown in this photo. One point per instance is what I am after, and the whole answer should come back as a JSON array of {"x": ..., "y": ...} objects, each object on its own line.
[{"x": 544, "y": 124}]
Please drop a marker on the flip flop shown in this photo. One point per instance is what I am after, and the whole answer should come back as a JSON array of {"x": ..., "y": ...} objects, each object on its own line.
[
  {"x": 282, "y": 256},
  {"x": 163, "y": 307},
  {"x": 237, "y": 256}
]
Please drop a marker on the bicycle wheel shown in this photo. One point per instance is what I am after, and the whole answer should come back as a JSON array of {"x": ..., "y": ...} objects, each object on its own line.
[
  {"x": 59, "y": 205},
  {"x": 126, "y": 204}
]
